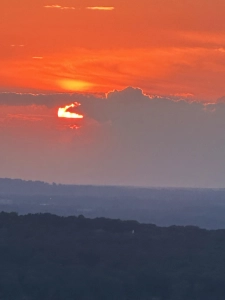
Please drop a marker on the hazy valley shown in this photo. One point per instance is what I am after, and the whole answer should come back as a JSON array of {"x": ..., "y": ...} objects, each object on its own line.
[{"x": 161, "y": 206}]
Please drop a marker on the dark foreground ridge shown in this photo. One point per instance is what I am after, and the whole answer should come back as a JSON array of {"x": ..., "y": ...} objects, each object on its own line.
[{"x": 44, "y": 256}]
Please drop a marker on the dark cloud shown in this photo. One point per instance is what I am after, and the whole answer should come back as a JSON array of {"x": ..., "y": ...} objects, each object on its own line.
[
  {"x": 132, "y": 139},
  {"x": 48, "y": 100}
]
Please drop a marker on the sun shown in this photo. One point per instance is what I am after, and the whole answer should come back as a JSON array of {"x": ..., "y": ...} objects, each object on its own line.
[{"x": 64, "y": 113}]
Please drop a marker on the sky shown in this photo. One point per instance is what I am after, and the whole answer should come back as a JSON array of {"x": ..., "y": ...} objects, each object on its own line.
[{"x": 140, "y": 86}]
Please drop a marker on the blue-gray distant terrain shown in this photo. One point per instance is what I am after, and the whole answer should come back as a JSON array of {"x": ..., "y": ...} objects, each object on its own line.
[{"x": 162, "y": 206}]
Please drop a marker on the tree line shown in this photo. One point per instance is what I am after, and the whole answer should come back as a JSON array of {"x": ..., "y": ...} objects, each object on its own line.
[{"x": 43, "y": 256}]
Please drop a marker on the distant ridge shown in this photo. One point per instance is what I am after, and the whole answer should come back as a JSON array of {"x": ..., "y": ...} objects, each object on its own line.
[
  {"x": 162, "y": 206},
  {"x": 29, "y": 187}
]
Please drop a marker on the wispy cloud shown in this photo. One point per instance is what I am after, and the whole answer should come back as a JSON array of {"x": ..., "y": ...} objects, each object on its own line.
[
  {"x": 37, "y": 57},
  {"x": 59, "y": 6},
  {"x": 183, "y": 95},
  {"x": 105, "y": 8},
  {"x": 52, "y": 6},
  {"x": 68, "y": 7},
  {"x": 21, "y": 45},
  {"x": 24, "y": 117},
  {"x": 100, "y": 7},
  {"x": 221, "y": 49}
]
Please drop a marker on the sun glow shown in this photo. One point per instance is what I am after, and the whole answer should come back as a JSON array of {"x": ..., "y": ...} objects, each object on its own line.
[
  {"x": 64, "y": 113},
  {"x": 74, "y": 85}
]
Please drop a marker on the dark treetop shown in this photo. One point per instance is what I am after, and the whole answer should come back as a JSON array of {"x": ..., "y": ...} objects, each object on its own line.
[{"x": 44, "y": 256}]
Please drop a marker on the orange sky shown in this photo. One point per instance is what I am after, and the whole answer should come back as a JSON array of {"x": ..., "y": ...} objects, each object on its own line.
[{"x": 165, "y": 47}]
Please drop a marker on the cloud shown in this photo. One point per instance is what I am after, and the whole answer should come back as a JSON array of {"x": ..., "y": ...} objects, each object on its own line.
[
  {"x": 184, "y": 95},
  {"x": 59, "y": 6},
  {"x": 221, "y": 50},
  {"x": 125, "y": 138},
  {"x": 94, "y": 103},
  {"x": 48, "y": 100},
  {"x": 20, "y": 45},
  {"x": 106, "y": 8},
  {"x": 161, "y": 71},
  {"x": 24, "y": 117},
  {"x": 53, "y": 6}
]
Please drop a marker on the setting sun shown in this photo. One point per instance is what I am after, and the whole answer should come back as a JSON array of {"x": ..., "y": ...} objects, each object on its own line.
[{"x": 64, "y": 113}]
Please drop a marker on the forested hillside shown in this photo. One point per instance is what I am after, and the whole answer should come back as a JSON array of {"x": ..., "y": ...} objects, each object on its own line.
[{"x": 44, "y": 256}]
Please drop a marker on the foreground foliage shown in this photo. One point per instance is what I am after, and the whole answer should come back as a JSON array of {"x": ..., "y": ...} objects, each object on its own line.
[{"x": 44, "y": 256}]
